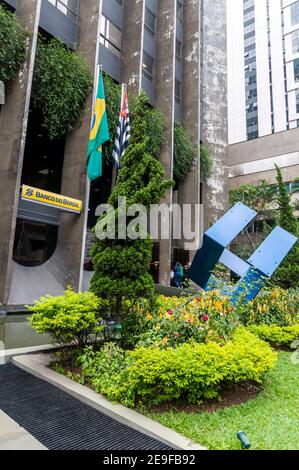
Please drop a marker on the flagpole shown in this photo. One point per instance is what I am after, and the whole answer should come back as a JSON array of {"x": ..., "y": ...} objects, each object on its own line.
[
  {"x": 97, "y": 69},
  {"x": 115, "y": 169}
]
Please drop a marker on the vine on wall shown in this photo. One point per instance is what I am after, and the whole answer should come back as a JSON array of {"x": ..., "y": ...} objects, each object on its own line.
[
  {"x": 184, "y": 155},
  {"x": 61, "y": 84},
  {"x": 12, "y": 45}
]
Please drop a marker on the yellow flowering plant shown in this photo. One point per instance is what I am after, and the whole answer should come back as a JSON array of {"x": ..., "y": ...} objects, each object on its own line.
[
  {"x": 175, "y": 320},
  {"x": 272, "y": 307}
]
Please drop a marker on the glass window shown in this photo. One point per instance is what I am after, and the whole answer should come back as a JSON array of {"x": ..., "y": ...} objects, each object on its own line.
[
  {"x": 111, "y": 36},
  {"x": 296, "y": 70},
  {"x": 178, "y": 50},
  {"x": 148, "y": 66},
  {"x": 67, "y": 7},
  {"x": 297, "y": 101},
  {"x": 179, "y": 11},
  {"x": 178, "y": 91},
  {"x": 150, "y": 21},
  {"x": 295, "y": 13},
  {"x": 295, "y": 41}
]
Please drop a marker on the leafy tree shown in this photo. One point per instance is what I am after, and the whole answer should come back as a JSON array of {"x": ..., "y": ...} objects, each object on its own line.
[
  {"x": 261, "y": 198},
  {"x": 287, "y": 275},
  {"x": 61, "y": 84},
  {"x": 122, "y": 265},
  {"x": 13, "y": 45}
]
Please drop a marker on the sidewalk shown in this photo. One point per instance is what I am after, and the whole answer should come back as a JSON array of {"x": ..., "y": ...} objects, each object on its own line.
[{"x": 13, "y": 437}]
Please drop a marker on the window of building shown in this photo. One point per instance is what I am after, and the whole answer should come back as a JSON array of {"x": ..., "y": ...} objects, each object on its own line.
[
  {"x": 178, "y": 91},
  {"x": 178, "y": 50},
  {"x": 297, "y": 101},
  {"x": 148, "y": 66},
  {"x": 111, "y": 36},
  {"x": 179, "y": 11},
  {"x": 295, "y": 13},
  {"x": 295, "y": 41},
  {"x": 67, "y": 7},
  {"x": 252, "y": 135},
  {"x": 150, "y": 21},
  {"x": 296, "y": 70}
]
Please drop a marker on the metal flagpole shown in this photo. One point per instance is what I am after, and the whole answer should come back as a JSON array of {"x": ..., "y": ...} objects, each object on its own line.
[
  {"x": 97, "y": 70},
  {"x": 115, "y": 169}
]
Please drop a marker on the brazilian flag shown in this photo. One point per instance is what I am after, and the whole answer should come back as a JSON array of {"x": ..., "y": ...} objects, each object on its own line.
[{"x": 99, "y": 134}]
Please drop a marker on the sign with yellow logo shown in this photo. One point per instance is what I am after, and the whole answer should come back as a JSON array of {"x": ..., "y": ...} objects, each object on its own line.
[{"x": 51, "y": 199}]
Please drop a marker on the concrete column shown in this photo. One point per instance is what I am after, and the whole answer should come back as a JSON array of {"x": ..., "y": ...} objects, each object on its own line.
[
  {"x": 132, "y": 47},
  {"x": 189, "y": 188},
  {"x": 74, "y": 178},
  {"x": 13, "y": 129},
  {"x": 164, "y": 85},
  {"x": 215, "y": 130}
]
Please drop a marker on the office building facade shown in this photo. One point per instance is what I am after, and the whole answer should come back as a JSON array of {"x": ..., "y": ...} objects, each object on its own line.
[
  {"x": 175, "y": 50},
  {"x": 263, "y": 90}
]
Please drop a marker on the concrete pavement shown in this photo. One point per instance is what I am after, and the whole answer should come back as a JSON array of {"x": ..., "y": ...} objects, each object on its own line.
[{"x": 13, "y": 437}]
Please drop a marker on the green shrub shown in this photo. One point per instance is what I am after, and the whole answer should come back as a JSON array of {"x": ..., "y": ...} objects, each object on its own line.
[
  {"x": 272, "y": 307},
  {"x": 71, "y": 319},
  {"x": 275, "y": 334},
  {"x": 61, "y": 84},
  {"x": 189, "y": 373},
  {"x": 13, "y": 45}
]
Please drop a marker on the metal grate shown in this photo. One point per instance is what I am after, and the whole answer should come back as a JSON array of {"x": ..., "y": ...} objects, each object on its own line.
[{"x": 60, "y": 421}]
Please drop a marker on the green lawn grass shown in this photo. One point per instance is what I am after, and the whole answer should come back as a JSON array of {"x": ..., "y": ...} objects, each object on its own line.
[{"x": 271, "y": 421}]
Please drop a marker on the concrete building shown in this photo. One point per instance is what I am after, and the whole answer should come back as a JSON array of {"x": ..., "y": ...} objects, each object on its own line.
[
  {"x": 173, "y": 49},
  {"x": 263, "y": 90}
]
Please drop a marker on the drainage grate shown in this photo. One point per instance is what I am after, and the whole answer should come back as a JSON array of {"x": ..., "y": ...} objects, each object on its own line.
[{"x": 60, "y": 421}]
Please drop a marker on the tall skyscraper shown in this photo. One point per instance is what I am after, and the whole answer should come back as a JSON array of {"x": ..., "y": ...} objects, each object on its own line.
[
  {"x": 263, "y": 51},
  {"x": 263, "y": 90}
]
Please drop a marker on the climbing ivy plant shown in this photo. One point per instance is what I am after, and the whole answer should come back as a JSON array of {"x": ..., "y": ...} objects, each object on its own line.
[
  {"x": 61, "y": 84},
  {"x": 12, "y": 45},
  {"x": 206, "y": 161},
  {"x": 184, "y": 156}
]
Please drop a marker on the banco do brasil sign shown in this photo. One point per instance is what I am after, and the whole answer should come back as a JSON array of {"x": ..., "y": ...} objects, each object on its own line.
[{"x": 51, "y": 199}]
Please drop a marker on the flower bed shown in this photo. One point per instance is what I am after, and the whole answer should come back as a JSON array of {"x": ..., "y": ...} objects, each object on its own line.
[
  {"x": 176, "y": 320},
  {"x": 189, "y": 373}
]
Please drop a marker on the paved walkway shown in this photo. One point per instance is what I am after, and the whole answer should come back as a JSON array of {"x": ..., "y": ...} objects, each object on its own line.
[
  {"x": 13, "y": 437},
  {"x": 59, "y": 421}
]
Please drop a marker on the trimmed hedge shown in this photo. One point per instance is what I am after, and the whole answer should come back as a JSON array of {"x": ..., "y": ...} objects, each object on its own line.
[
  {"x": 189, "y": 373},
  {"x": 276, "y": 335}
]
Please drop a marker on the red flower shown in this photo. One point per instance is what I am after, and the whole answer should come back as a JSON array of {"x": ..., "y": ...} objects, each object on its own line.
[
  {"x": 198, "y": 299},
  {"x": 205, "y": 318},
  {"x": 170, "y": 312},
  {"x": 177, "y": 335}
]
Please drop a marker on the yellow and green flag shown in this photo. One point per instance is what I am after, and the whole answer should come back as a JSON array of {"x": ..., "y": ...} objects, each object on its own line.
[{"x": 99, "y": 134}]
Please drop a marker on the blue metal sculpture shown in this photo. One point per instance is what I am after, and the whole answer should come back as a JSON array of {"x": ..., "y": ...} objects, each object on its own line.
[{"x": 255, "y": 271}]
